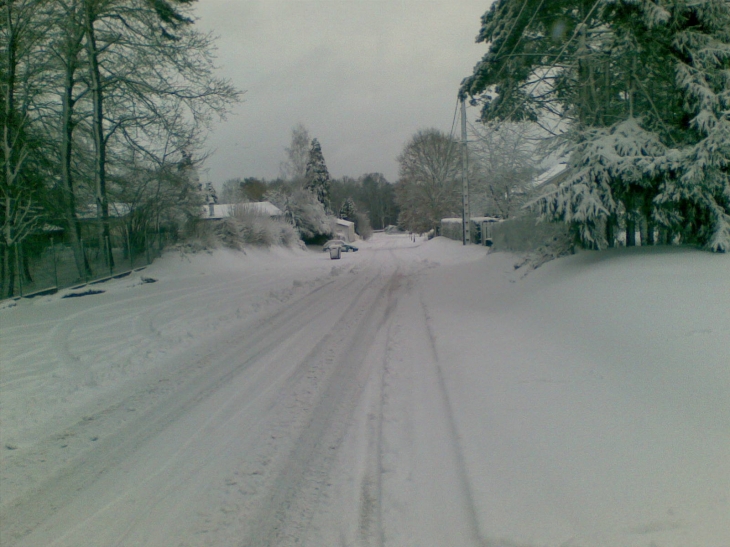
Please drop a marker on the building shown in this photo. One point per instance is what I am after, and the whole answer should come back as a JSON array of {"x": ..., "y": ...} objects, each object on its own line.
[{"x": 344, "y": 229}]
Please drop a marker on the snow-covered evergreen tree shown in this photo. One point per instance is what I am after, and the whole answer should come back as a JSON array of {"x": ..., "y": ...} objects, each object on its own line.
[
  {"x": 348, "y": 210},
  {"x": 308, "y": 215},
  {"x": 211, "y": 196},
  {"x": 317, "y": 178},
  {"x": 645, "y": 87}
]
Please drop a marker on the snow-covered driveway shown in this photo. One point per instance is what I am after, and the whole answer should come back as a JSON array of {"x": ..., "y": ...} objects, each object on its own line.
[{"x": 410, "y": 394}]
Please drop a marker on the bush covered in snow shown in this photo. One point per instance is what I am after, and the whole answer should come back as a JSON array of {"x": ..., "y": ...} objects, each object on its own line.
[
  {"x": 244, "y": 228},
  {"x": 262, "y": 230},
  {"x": 304, "y": 210}
]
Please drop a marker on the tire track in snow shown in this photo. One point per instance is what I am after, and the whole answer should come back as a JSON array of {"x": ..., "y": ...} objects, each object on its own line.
[
  {"x": 196, "y": 381},
  {"x": 426, "y": 494},
  {"x": 285, "y": 516},
  {"x": 371, "y": 501},
  {"x": 465, "y": 485}
]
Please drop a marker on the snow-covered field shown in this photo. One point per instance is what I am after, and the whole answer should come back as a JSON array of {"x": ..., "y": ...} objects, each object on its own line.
[{"x": 410, "y": 394}]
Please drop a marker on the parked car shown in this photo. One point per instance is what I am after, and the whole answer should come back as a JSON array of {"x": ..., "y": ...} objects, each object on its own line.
[{"x": 345, "y": 247}]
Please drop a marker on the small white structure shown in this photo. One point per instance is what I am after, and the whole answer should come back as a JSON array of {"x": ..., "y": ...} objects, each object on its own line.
[
  {"x": 218, "y": 211},
  {"x": 344, "y": 229},
  {"x": 480, "y": 229}
]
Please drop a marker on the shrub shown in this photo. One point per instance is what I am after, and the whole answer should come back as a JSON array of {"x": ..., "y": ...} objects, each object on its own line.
[{"x": 259, "y": 229}]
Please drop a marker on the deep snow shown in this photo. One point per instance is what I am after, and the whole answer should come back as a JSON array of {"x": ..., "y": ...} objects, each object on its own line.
[{"x": 408, "y": 394}]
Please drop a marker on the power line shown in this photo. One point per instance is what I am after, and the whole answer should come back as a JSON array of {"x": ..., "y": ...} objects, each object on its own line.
[
  {"x": 512, "y": 53},
  {"x": 560, "y": 54},
  {"x": 453, "y": 122}
]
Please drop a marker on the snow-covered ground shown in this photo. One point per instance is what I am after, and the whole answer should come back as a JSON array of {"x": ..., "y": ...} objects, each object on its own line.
[{"x": 410, "y": 394}]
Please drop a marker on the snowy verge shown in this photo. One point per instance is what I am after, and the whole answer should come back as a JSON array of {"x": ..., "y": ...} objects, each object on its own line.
[
  {"x": 592, "y": 397},
  {"x": 60, "y": 354}
]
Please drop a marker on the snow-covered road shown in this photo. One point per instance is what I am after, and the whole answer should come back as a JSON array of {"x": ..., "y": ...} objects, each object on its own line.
[
  {"x": 410, "y": 394},
  {"x": 266, "y": 434}
]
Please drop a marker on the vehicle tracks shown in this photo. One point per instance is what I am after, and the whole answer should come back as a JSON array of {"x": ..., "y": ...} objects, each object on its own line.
[{"x": 154, "y": 410}]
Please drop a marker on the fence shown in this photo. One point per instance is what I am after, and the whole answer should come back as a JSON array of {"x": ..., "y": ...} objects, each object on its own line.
[{"x": 44, "y": 262}]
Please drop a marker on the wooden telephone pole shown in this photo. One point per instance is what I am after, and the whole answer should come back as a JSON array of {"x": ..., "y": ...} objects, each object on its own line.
[{"x": 466, "y": 215}]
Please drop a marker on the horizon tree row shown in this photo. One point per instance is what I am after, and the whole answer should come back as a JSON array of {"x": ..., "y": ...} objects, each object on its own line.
[{"x": 368, "y": 200}]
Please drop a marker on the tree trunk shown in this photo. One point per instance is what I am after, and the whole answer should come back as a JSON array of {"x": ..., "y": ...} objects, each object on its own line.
[
  {"x": 9, "y": 266},
  {"x": 73, "y": 47},
  {"x": 650, "y": 238},
  {"x": 3, "y": 269},
  {"x": 663, "y": 236},
  {"x": 73, "y": 228},
  {"x": 97, "y": 94},
  {"x": 9, "y": 173},
  {"x": 643, "y": 230},
  {"x": 611, "y": 224},
  {"x": 630, "y": 229},
  {"x": 25, "y": 265}
]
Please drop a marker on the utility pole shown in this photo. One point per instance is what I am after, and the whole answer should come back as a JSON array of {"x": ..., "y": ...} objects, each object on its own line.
[{"x": 466, "y": 215}]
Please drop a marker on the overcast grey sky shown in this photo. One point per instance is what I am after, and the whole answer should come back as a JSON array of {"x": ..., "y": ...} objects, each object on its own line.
[{"x": 362, "y": 75}]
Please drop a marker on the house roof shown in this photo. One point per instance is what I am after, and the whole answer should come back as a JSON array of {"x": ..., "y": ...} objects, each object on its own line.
[
  {"x": 343, "y": 222},
  {"x": 265, "y": 207},
  {"x": 215, "y": 211},
  {"x": 458, "y": 220},
  {"x": 554, "y": 175}
]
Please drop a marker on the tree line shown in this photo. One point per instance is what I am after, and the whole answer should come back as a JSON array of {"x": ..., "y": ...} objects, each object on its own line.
[
  {"x": 308, "y": 195},
  {"x": 103, "y": 102}
]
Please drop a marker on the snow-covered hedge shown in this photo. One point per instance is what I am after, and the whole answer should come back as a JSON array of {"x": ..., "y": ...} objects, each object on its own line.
[
  {"x": 246, "y": 227},
  {"x": 527, "y": 234}
]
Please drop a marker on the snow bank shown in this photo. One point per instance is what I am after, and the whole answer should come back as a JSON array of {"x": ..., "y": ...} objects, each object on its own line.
[{"x": 593, "y": 395}]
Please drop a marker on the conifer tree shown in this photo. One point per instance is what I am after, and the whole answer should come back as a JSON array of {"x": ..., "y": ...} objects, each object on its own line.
[
  {"x": 317, "y": 178},
  {"x": 211, "y": 196},
  {"x": 348, "y": 210},
  {"x": 645, "y": 90}
]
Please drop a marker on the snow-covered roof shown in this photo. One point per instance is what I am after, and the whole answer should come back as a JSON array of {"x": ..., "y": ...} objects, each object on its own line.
[
  {"x": 216, "y": 211},
  {"x": 343, "y": 222},
  {"x": 555, "y": 172},
  {"x": 263, "y": 207},
  {"x": 458, "y": 220}
]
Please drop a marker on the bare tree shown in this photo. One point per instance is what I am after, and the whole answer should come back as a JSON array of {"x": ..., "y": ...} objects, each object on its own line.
[
  {"x": 377, "y": 197},
  {"x": 152, "y": 85},
  {"x": 66, "y": 44},
  {"x": 430, "y": 176},
  {"x": 504, "y": 162},
  {"x": 21, "y": 66},
  {"x": 294, "y": 167}
]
